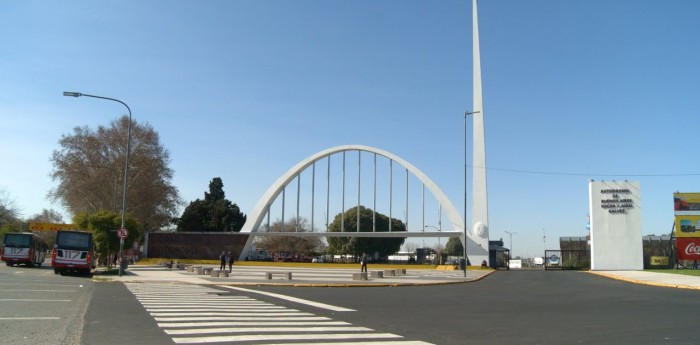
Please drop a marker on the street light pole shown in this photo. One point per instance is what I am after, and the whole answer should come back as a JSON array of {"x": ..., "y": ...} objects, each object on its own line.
[
  {"x": 466, "y": 113},
  {"x": 511, "y": 241},
  {"x": 126, "y": 168},
  {"x": 439, "y": 245}
]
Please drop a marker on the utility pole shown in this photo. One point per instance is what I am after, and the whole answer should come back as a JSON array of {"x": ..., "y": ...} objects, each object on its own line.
[{"x": 511, "y": 241}]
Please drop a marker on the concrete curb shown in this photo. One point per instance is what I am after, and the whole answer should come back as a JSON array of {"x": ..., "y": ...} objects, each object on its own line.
[
  {"x": 644, "y": 282},
  {"x": 195, "y": 280}
]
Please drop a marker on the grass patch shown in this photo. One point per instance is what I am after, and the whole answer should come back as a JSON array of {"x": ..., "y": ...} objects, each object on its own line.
[
  {"x": 371, "y": 266},
  {"x": 685, "y": 272},
  {"x": 106, "y": 272}
]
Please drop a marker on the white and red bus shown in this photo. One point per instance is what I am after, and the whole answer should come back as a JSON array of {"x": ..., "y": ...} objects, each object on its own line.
[
  {"x": 73, "y": 252},
  {"x": 23, "y": 248}
]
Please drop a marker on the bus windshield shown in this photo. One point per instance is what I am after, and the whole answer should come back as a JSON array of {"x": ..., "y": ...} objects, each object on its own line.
[
  {"x": 17, "y": 240},
  {"x": 73, "y": 240}
]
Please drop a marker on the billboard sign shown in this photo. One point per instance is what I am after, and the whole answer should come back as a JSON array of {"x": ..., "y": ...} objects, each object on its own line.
[
  {"x": 686, "y": 207},
  {"x": 51, "y": 227},
  {"x": 687, "y": 226},
  {"x": 688, "y": 248},
  {"x": 686, "y": 203}
]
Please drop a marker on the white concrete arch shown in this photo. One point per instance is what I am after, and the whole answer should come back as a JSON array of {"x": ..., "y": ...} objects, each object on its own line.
[{"x": 260, "y": 210}]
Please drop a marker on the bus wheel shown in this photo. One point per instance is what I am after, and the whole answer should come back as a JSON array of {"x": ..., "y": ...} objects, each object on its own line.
[
  {"x": 9, "y": 264},
  {"x": 55, "y": 271}
]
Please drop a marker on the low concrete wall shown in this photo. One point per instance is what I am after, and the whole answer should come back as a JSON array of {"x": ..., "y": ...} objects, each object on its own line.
[{"x": 192, "y": 245}]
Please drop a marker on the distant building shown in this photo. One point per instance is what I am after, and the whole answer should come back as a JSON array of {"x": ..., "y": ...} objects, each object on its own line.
[
  {"x": 498, "y": 254},
  {"x": 574, "y": 243}
]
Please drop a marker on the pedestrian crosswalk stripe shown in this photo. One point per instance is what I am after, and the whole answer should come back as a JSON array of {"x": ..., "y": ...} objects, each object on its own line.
[
  {"x": 251, "y": 323},
  {"x": 266, "y": 330},
  {"x": 283, "y": 313},
  {"x": 267, "y": 337},
  {"x": 365, "y": 342},
  {"x": 218, "y": 308},
  {"x": 243, "y": 318},
  {"x": 198, "y": 314}
]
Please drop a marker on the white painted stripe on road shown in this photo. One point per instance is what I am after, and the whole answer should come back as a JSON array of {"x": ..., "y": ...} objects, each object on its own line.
[
  {"x": 203, "y": 303},
  {"x": 198, "y": 297},
  {"x": 292, "y": 299},
  {"x": 32, "y": 300},
  {"x": 266, "y": 330},
  {"x": 251, "y": 323},
  {"x": 206, "y": 303},
  {"x": 233, "y": 314},
  {"x": 203, "y": 299},
  {"x": 217, "y": 308},
  {"x": 31, "y": 318},
  {"x": 383, "y": 342},
  {"x": 38, "y": 284},
  {"x": 267, "y": 337},
  {"x": 242, "y": 318},
  {"x": 183, "y": 294},
  {"x": 38, "y": 290}
]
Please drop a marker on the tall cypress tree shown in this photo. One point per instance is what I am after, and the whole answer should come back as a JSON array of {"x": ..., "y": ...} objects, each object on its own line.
[{"x": 213, "y": 214}]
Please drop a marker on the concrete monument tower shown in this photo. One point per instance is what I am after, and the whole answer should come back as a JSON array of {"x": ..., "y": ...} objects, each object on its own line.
[{"x": 478, "y": 250}]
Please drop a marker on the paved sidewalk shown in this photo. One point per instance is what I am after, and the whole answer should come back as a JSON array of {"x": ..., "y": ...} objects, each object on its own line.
[
  {"x": 671, "y": 280},
  {"x": 341, "y": 277},
  {"x": 256, "y": 276}
]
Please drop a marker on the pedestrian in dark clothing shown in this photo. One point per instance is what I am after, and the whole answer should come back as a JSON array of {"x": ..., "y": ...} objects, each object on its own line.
[
  {"x": 230, "y": 262},
  {"x": 222, "y": 258},
  {"x": 363, "y": 263}
]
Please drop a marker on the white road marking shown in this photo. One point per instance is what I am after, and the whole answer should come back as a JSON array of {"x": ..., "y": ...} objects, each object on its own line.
[
  {"x": 251, "y": 323},
  {"x": 196, "y": 314},
  {"x": 266, "y": 330},
  {"x": 293, "y": 299},
  {"x": 253, "y": 314},
  {"x": 203, "y": 303},
  {"x": 258, "y": 337},
  {"x": 38, "y": 290},
  {"x": 38, "y": 284},
  {"x": 32, "y": 300},
  {"x": 218, "y": 308},
  {"x": 243, "y": 318},
  {"x": 383, "y": 342},
  {"x": 31, "y": 318}
]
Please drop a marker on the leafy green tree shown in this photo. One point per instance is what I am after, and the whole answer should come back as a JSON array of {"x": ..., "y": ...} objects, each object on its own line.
[
  {"x": 369, "y": 245},
  {"x": 89, "y": 170},
  {"x": 454, "y": 246},
  {"x": 47, "y": 216},
  {"x": 213, "y": 214},
  {"x": 290, "y": 244},
  {"x": 103, "y": 226},
  {"x": 9, "y": 214}
]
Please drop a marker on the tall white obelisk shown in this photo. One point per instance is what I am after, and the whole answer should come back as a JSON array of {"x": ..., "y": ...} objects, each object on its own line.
[{"x": 478, "y": 250}]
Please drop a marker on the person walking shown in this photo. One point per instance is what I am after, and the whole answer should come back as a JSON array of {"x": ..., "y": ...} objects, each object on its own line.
[
  {"x": 222, "y": 259},
  {"x": 363, "y": 263},
  {"x": 230, "y": 262}
]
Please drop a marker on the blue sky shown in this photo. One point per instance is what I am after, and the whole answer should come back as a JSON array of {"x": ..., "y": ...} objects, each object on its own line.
[{"x": 244, "y": 90}]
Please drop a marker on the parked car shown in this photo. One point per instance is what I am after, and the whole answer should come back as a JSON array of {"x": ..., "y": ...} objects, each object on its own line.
[
  {"x": 258, "y": 255},
  {"x": 318, "y": 259}
]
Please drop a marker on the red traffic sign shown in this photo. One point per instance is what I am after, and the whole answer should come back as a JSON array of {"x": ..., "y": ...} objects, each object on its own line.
[{"x": 123, "y": 233}]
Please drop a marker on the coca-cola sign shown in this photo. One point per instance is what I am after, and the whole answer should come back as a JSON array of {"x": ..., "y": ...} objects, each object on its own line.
[{"x": 688, "y": 248}]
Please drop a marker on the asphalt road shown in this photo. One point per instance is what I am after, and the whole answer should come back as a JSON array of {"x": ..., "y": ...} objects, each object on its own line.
[
  {"x": 523, "y": 307},
  {"x": 508, "y": 307},
  {"x": 39, "y": 307}
]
